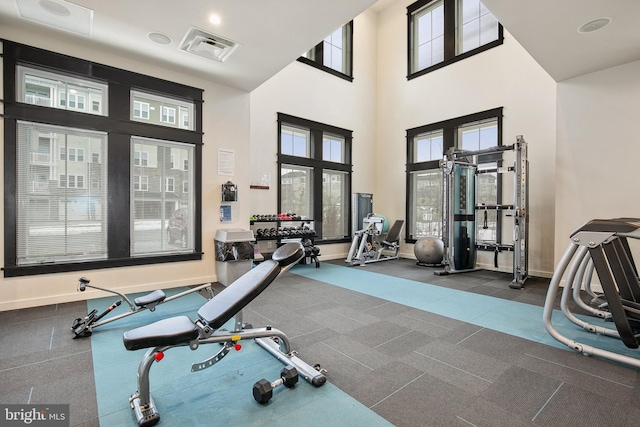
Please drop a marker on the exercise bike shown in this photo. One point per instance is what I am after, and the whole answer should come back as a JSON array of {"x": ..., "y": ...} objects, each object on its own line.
[{"x": 83, "y": 327}]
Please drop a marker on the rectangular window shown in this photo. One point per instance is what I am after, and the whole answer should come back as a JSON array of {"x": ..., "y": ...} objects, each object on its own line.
[
  {"x": 442, "y": 32},
  {"x": 426, "y": 147},
  {"x": 184, "y": 114},
  {"x": 335, "y": 224},
  {"x": 71, "y": 183},
  {"x": 428, "y": 33},
  {"x": 295, "y": 141},
  {"x": 333, "y": 148},
  {"x": 334, "y": 54},
  {"x": 140, "y": 110},
  {"x": 426, "y": 203},
  {"x": 76, "y": 101},
  {"x": 296, "y": 190},
  {"x": 40, "y": 86},
  {"x": 140, "y": 183},
  {"x": 476, "y": 26},
  {"x": 169, "y": 185},
  {"x": 162, "y": 110},
  {"x": 141, "y": 158},
  {"x": 168, "y": 115},
  {"x": 58, "y": 219},
  {"x": 162, "y": 219},
  {"x": 334, "y": 50},
  {"x": 315, "y": 175},
  {"x": 478, "y": 135},
  {"x": 487, "y": 188}
]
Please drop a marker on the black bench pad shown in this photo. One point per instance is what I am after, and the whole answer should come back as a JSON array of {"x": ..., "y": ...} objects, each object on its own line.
[
  {"x": 234, "y": 297},
  {"x": 241, "y": 292},
  {"x": 155, "y": 296},
  {"x": 171, "y": 331}
]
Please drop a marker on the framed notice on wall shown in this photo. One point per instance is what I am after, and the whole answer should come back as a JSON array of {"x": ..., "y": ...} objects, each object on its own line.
[
  {"x": 225, "y": 213},
  {"x": 226, "y": 162}
]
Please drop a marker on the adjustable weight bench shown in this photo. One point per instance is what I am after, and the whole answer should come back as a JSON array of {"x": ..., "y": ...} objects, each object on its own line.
[{"x": 178, "y": 331}]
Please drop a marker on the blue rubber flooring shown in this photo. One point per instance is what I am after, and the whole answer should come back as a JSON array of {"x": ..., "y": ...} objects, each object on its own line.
[
  {"x": 221, "y": 395},
  {"x": 218, "y": 396},
  {"x": 509, "y": 317}
]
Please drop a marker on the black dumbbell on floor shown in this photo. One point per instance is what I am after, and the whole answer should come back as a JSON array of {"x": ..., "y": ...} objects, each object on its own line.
[{"x": 263, "y": 389}]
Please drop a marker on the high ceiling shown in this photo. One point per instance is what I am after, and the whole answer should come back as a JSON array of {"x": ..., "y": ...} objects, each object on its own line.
[
  {"x": 548, "y": 30},
  {"x": 273, "y": 33}
]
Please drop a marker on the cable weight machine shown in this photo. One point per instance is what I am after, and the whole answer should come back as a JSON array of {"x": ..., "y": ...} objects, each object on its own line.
[{"x": 459, "y": 226}]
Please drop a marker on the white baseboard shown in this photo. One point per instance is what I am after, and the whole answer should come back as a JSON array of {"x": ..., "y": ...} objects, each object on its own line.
[{"x": 74, "y": 295}]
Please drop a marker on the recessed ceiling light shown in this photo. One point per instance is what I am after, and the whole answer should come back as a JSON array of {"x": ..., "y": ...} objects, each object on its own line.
[
  {"x": 60, "y": 14},
  {"x": 55, "y": 8},
  {"x": 159, "y": 38},
  {"x": 215, "y": 19},
  {"x": 594, "y": 25}
]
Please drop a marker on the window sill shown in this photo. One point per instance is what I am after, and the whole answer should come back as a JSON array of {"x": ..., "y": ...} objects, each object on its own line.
[
  {"x": 31, "y": 270},
  {"x": 326, "y": 69}
]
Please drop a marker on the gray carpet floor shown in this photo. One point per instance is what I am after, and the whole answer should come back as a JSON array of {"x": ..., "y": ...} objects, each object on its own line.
[{"x": 412, "y": 367}]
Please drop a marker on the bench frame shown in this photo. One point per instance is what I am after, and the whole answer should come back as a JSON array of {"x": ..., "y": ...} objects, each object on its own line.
[{"x": 271, "y": 339}]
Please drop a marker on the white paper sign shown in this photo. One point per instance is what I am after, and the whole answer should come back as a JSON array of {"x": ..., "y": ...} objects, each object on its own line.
[{"x": 226, "y": 162}]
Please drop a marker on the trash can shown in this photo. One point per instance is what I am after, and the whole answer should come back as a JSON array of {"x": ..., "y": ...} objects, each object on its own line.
[{"x": 234, "y": 254}]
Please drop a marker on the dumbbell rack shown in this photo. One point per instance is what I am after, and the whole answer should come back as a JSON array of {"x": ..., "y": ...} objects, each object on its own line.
[{"x": 272, "y": 228}]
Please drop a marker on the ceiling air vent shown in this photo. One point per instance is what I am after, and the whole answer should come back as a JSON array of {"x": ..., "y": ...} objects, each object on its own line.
[{"x": 207, "y": 45}]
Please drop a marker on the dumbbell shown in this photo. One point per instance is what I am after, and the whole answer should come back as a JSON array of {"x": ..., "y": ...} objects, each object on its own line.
[{"x": 263, "y": 389}]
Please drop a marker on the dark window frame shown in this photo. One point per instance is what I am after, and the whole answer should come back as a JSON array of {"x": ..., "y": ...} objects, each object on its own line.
[
  {"x": 318, "y": 165},
  {"x": 318, "y": 61},
  {"x": 119, "y": 127},
  {"x": 450, "y": 35},
  {"x": 449, "y": 139}
]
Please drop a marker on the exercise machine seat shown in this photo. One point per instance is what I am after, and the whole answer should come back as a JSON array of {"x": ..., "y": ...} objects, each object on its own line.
[
  {"x": 171, "y": 331},
  {"x": 155, "y": 296},
  {"x": 393, "y": 236}
]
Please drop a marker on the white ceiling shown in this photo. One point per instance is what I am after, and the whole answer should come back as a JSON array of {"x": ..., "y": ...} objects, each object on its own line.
[
  {"x": 273, "y": 33},
  {"x": 548, "y": 30}
]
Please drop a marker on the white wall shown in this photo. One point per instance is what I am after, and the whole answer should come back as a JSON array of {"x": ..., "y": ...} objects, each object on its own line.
[
  {"x": 226, "y": 125},
  {"x": 505, "y": 76},
  {"x": 306, "y": 92},
  {"x": 597, "y": 149},
  {"x": 380, "y": 105}
]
